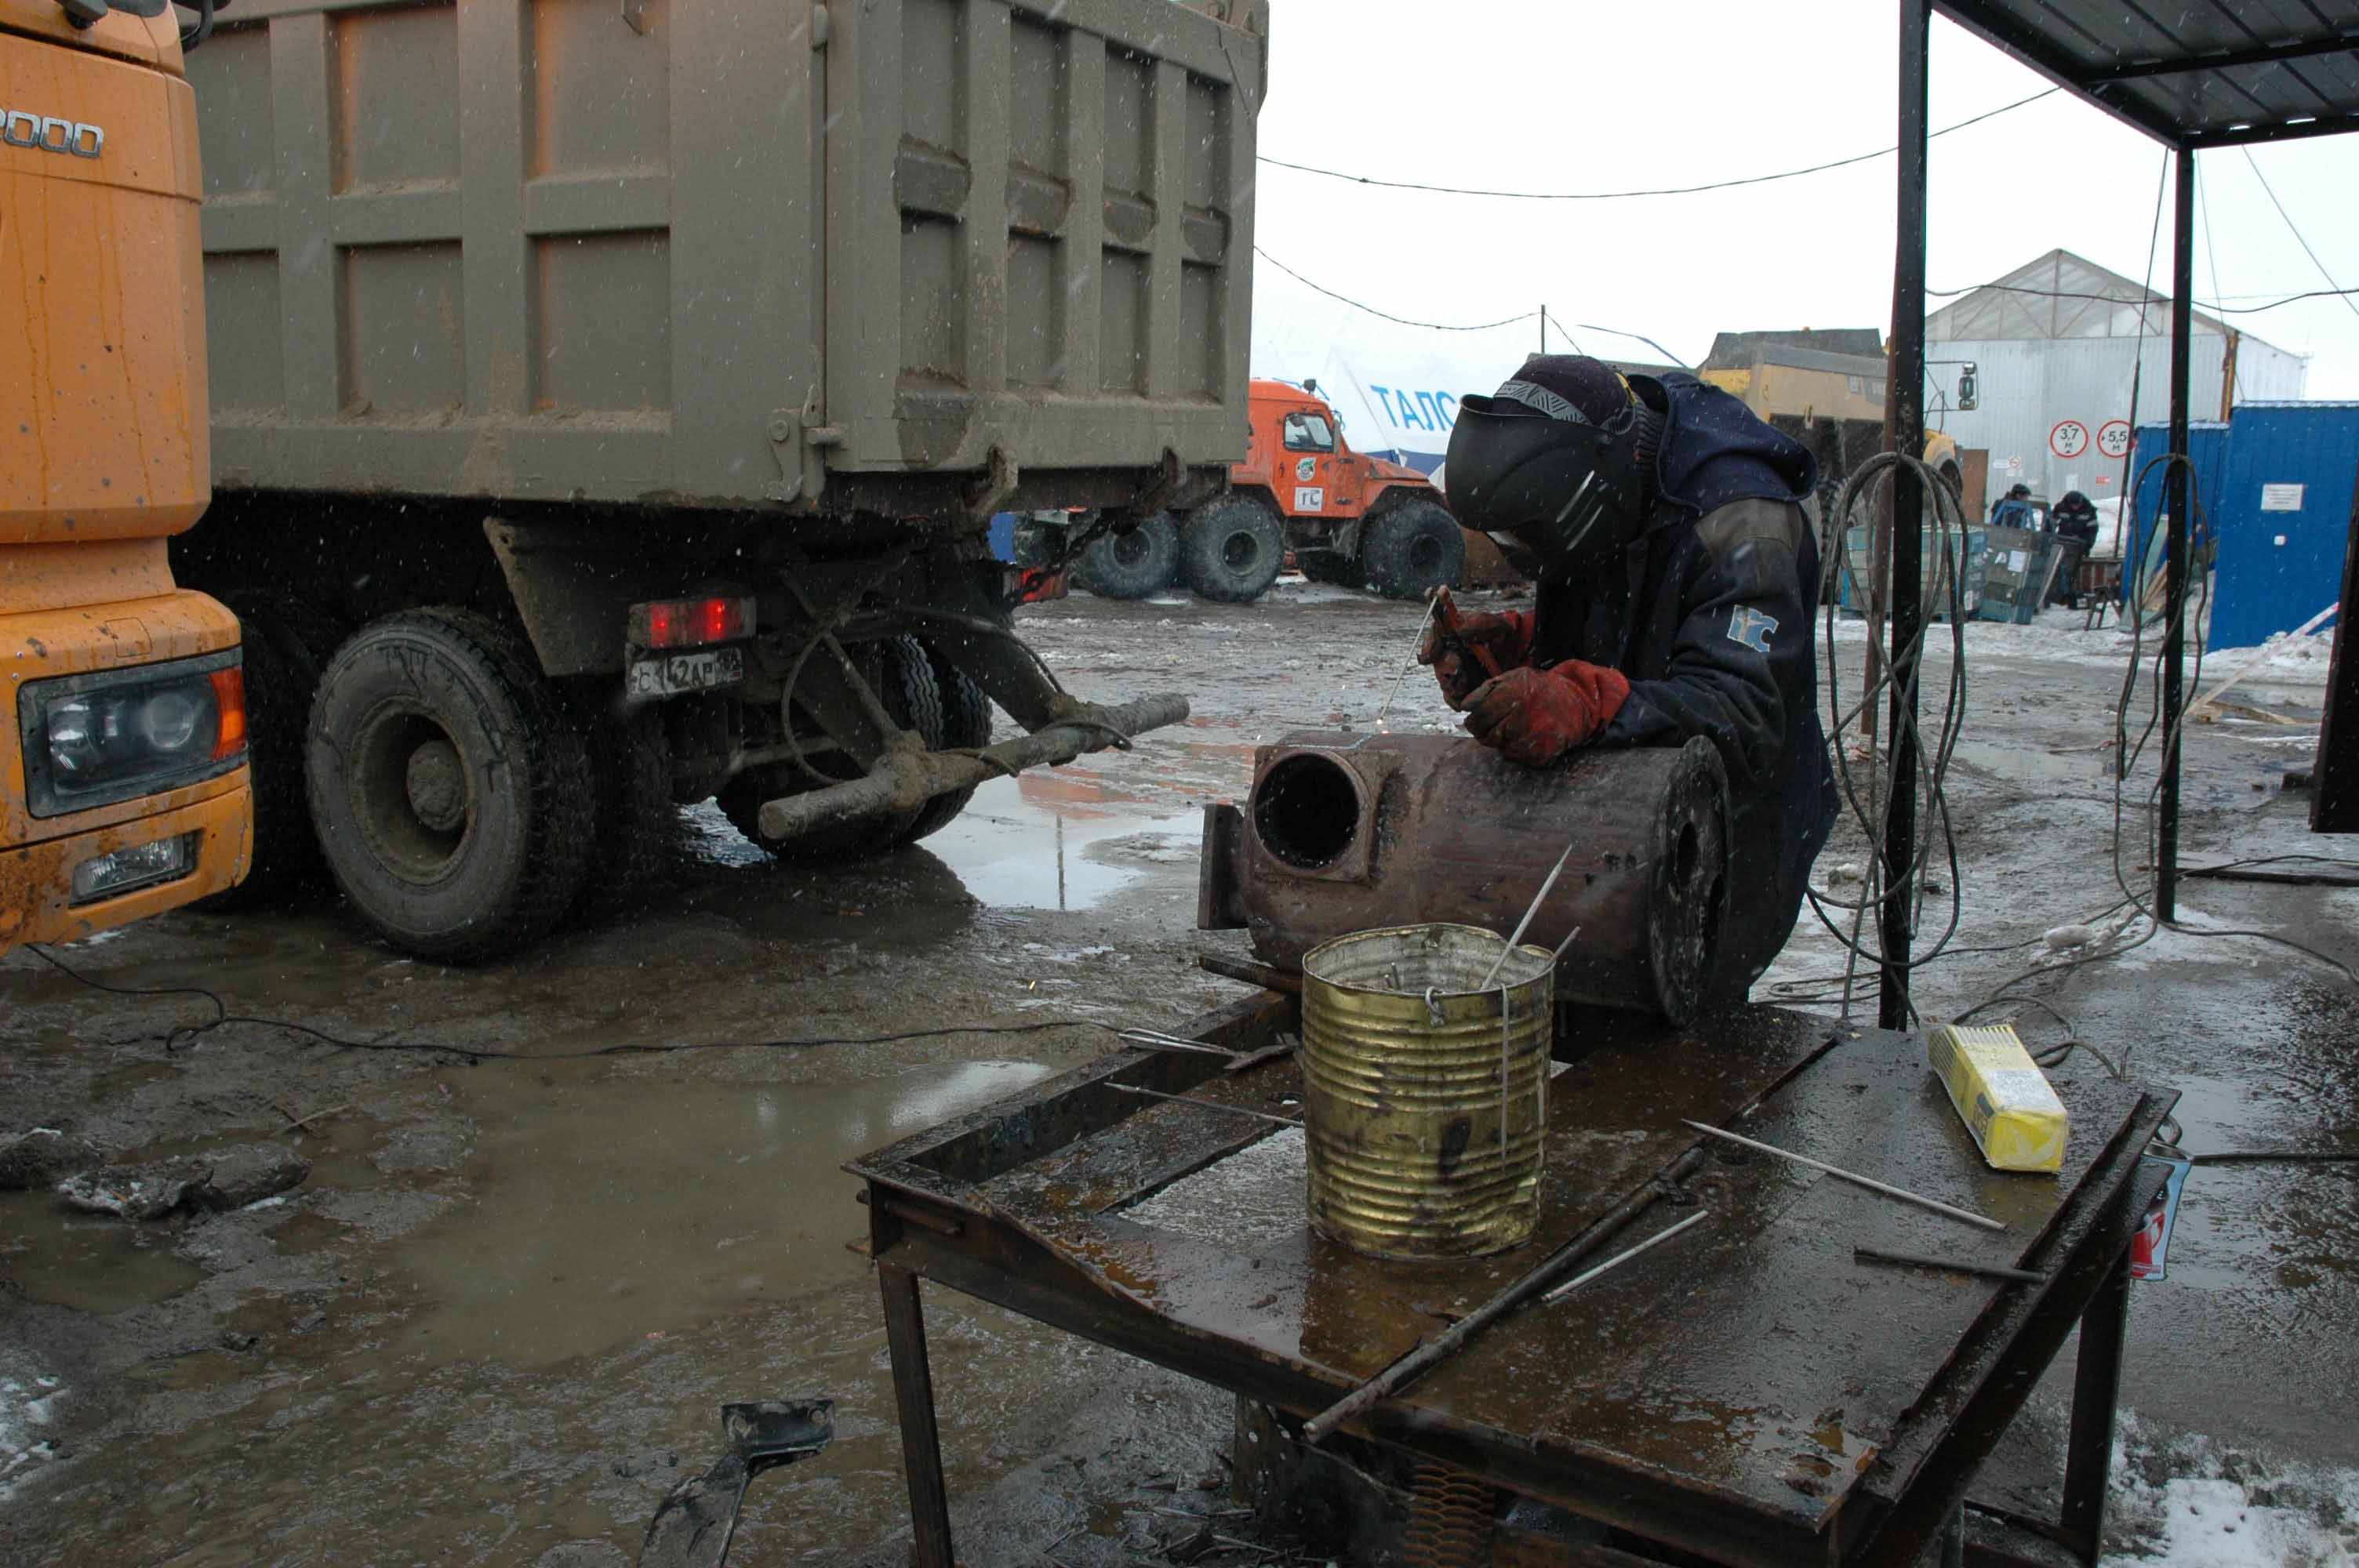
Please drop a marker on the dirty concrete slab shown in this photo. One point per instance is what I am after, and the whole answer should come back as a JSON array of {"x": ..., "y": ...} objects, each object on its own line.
[{"x": 496, "y": 1319}]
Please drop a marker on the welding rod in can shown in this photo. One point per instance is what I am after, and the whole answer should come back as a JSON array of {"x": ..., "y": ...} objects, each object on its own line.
[{"x": 1450, "y": 1340}]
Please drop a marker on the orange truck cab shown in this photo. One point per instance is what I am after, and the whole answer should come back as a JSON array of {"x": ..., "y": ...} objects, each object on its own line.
[
  {"x": 123, "y": 768},
  {"x": 1349, "y": 517}
]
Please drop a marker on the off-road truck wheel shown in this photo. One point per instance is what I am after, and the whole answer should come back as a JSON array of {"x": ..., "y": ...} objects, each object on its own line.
[
  {"x": 1412, "y": 548},
  {"x": 452, "y": 794},
  {"x": 1233, "y": 549},
  {"x": 1131, "y": 563}
]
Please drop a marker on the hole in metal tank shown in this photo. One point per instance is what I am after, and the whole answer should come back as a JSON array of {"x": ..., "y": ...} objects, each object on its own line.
[{"x": 1307, "y": 812}]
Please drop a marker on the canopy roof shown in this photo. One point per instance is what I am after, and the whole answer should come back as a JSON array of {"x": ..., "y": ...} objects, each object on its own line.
[{"x": 2193, "y": 73}]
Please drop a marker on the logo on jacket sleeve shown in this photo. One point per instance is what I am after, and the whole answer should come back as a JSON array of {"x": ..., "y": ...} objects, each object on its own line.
[{"x": 1751, "y": 627}]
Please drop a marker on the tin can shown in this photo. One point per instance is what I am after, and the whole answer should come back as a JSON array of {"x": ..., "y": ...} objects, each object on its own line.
[{"x": 1425, "y": 1098}]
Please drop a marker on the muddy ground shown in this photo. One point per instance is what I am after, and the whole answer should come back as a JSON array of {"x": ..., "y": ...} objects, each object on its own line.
[{"x": 494, "y": 1323}]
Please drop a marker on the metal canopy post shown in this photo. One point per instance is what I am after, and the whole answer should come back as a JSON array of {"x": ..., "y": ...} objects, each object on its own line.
[
  {"x": 2175, "y": 563},
  {"x": 1905, "y": 431}
]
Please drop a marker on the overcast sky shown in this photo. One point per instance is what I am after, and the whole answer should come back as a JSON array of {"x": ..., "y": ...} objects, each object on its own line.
[{"x": 1571, "y": 95}]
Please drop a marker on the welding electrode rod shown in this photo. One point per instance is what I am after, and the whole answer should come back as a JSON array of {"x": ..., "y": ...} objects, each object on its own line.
[
  {"x": 1450, "y": 1340},
  {"x": 1432, "y": 601},
  {"x": 1557, "y": 1294},
  {"x": 1539, "y": 899},
  {"x": 1950, "y": 1265},
  {"x": 1207, "y": 1103},
  {"x": 1148, "y": 1040},
  {"x": 1870, "y": 1182}
]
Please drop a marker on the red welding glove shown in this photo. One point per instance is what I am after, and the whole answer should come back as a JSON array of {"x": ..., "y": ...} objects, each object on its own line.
[
  {"x": 1450, "y": 641},
  {"x": 1534, "y": 717}
]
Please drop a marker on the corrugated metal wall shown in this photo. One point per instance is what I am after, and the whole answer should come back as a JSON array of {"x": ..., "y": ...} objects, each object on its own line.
[{"x": 2028, "y": 386}]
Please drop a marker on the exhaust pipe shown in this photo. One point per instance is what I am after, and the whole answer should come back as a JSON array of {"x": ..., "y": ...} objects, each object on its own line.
[{"x": 905, "y": 780}]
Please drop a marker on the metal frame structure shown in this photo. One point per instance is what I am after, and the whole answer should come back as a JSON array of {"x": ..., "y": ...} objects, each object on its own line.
[
  {"x": 1033, "y": 1204},
  {"x": 2216, "y": 73}
]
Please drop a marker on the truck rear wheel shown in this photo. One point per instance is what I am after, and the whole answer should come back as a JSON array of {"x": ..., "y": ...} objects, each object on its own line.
[
  {"x": 904, "y": 681},
  {"x": 1131, "y": 563},
  {"x": 637, "y": 824},
  {"x": 285, "y": 646},
  {"x": 1233, "y": 550},
  {"x": 966, "y": 721},
  {"x": 452, "y": 794},
  {"x": 1411, "y": 549}
]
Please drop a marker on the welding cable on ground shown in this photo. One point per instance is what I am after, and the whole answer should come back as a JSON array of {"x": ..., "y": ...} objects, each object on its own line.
[{"x": 182, "y": 1036}]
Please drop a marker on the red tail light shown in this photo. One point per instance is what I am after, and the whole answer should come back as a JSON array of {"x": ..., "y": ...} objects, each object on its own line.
[{"x": 691, "y": 622}]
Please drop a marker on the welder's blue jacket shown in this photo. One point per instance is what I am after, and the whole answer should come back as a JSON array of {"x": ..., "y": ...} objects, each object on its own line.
[{"x": 1710, "y": 620}]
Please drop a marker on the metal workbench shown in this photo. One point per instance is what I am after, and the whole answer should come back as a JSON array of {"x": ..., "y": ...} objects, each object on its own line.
[{"x": 1747, "y": 1393}]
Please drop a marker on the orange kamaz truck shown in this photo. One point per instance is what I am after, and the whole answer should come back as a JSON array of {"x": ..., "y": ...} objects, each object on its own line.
[{"x": 123, "y": 760}]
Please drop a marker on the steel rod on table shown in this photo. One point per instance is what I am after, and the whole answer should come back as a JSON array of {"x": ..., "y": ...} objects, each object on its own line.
[
  {"x": 1870, "y": 1182},
  {"x": 1207, "y": 1103},
  {"x": 1450, "y": 1340},
  {"x": 1948, "y": 1265},
  {"x": 1624, "y": 1256}
]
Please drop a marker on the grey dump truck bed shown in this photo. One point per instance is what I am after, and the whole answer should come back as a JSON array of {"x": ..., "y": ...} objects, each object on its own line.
[
  {"x": 727, "y": 252},
  {"x": 611, "y": 399}
]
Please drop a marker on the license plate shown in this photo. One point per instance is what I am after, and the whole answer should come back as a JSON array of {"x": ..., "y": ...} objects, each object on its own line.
[{"x": 675, "y": 673}]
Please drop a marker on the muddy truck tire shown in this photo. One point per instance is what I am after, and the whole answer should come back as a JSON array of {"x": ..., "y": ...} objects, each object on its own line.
[
  {"x": 637, "y": 823},
  {"x": 453, "y": 795},
  {"x": 1233, "y": 549},
  {"x": 287, "y": 642},
  {"x": 966, "y": 722},
  {"x": 904, "y": 680},
  {"x": 1409, "y": 550},
  {"x": 1131, "y": 563}
]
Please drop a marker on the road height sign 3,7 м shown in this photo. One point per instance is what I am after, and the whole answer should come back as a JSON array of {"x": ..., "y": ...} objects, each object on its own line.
[{"x": 2069, "y": 439}]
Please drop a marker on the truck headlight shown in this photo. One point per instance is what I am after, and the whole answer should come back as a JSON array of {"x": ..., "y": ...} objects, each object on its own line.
[{"x": 94, "y": 740}]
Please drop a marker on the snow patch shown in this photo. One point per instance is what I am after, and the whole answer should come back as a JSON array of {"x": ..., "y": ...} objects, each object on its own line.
[{"x": 2192, "y": 1502}]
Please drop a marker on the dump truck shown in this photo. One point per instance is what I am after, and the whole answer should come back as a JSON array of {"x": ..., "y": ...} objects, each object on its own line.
[
  {"x": 610, "y": 404},
  {"x": 1348, "y": 517},
  {"x": 123, "y": 761}
]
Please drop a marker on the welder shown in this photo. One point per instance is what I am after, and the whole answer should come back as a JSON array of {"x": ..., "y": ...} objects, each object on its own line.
[{"x": 1675, "y": 575}]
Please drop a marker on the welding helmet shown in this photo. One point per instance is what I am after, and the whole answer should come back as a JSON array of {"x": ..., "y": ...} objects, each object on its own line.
[{"x": 1551, "y": 467}]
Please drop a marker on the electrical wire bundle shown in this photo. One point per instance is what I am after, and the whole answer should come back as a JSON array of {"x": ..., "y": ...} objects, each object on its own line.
[{"x": 1945, "y": 590}]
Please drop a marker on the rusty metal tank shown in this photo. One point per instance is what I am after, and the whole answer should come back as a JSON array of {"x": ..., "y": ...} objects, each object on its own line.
[
  {"x": 1425, "y": 1089},
  {"x": 1345, "y": 833}
]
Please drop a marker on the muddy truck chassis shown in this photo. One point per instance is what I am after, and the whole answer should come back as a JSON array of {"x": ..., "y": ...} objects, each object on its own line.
[{"x": 610, "y": 408}]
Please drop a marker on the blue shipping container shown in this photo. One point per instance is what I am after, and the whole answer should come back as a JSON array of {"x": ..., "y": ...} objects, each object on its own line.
[
  {"x": 2282, "y": 516},
  {"x": 2207, "y": 451}
]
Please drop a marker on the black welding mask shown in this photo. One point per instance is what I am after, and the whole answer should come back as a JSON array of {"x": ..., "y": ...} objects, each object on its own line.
[{"x": 1560, "y": 494}]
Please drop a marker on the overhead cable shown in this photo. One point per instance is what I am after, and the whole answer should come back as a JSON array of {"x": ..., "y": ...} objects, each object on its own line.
[
  {"x": 1625, "y": 195},
  {"x": 2151, "y": 299},
  {"x": 1386, "y": 315},
  {"x": 2304, "y": 243}
]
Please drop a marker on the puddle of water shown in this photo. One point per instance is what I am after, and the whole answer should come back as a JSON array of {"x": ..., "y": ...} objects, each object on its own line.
[
  {"x": 1054, "y": 841},
  {"x": 55, "y": 1255},
  {"x": 613, "y": 1210}
]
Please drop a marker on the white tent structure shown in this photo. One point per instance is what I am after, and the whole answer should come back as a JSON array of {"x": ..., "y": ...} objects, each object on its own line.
[{"x": 2060, "y": 346}]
